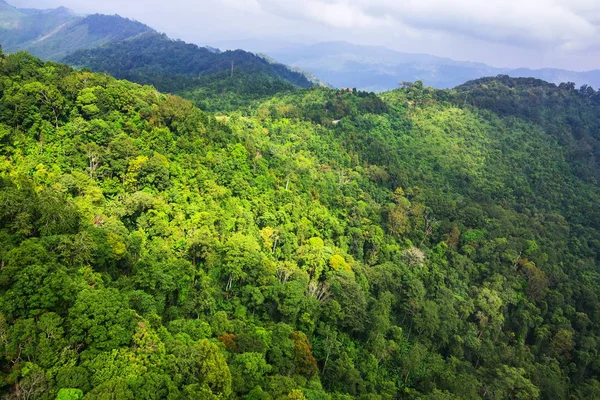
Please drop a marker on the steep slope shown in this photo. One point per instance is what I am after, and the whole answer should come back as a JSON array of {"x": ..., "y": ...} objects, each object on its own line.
[
  {"x": 196, "y": 72},
  {"x": 9, "y": 15},
  {"x": 569, "y": 114},
  {"x": 378, "y": 69},
  {"x": 52, "y": 34},
  {"x": 325, "y": 245},
  {"x": 89, "y": 32},
  {"x": 19, "y": 28}
]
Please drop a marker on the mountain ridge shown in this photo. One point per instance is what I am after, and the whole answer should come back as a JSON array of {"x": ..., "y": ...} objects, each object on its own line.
[
  {"x": 378, "y": 68},
  {"x": 54, "y": 33},
  {"x": 198, "y": 73},
  {"x": 132, "y": 50}
]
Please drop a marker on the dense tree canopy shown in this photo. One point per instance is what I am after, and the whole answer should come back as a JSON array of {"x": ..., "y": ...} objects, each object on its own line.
[
  {"x": 321, "y": 244},
  {"x": 213, "y": 79}
]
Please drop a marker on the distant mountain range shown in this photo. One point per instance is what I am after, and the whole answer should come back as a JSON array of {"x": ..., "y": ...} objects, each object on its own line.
[
  {"x": 378, "y": 69},
  {"x": 129, "y": 49},
  {"x": 52, "y": 34}
]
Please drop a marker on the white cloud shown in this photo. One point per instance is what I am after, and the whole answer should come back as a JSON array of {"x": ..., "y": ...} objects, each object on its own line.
[
  {"x": 569, "y": 24},
  {"x": 339, "y": 14},
  {"x": 246, "y": 5},
  {"x": 533, "y": 33}
]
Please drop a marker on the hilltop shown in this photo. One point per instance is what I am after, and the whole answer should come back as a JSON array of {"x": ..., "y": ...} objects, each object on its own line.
[
  {"x": 52, "y": 34},
  {"x": 230, "y": 78}
]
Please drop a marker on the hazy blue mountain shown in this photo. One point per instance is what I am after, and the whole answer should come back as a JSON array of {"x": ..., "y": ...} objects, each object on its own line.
[
  {"x": 131, "y": 50},
  {"x": 52, "y": 34},
  {"x": 377, "y": 68},
  {"x": 262, "y": 44}
]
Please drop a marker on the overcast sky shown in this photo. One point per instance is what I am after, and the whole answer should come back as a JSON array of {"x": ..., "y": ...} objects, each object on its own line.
[{"x": 503, "y": 33}]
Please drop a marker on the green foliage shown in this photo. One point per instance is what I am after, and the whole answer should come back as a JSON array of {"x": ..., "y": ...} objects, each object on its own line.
[
  {"x": 569, "y": 115},
  {"x": 213, "y": 80},
  {"x": 321, "y": 244},
  {"x": 69, "y": 394}
]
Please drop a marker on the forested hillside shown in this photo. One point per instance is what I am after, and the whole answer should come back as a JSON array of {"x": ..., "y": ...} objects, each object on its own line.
[
  {"x": 570, "y": 115},
  {"x": 321, "y": 244},
  {"x": 214, "y": 80},
  {"x": 130, "y": 50}
]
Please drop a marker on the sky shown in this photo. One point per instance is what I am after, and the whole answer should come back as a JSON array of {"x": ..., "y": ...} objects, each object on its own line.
[{"x": 501, "y": 33}]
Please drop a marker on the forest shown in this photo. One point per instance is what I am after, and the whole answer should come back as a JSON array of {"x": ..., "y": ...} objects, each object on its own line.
[
  {"x": 310, "y": 244},
  {"x": 215, "y": 80}
]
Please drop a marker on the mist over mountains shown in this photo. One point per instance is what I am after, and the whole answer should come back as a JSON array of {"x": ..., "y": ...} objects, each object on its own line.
[
  {"x": 378, "y": 69},
  {"x": 55, "y": 33},
  {"x": 52, "y": 34}
]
